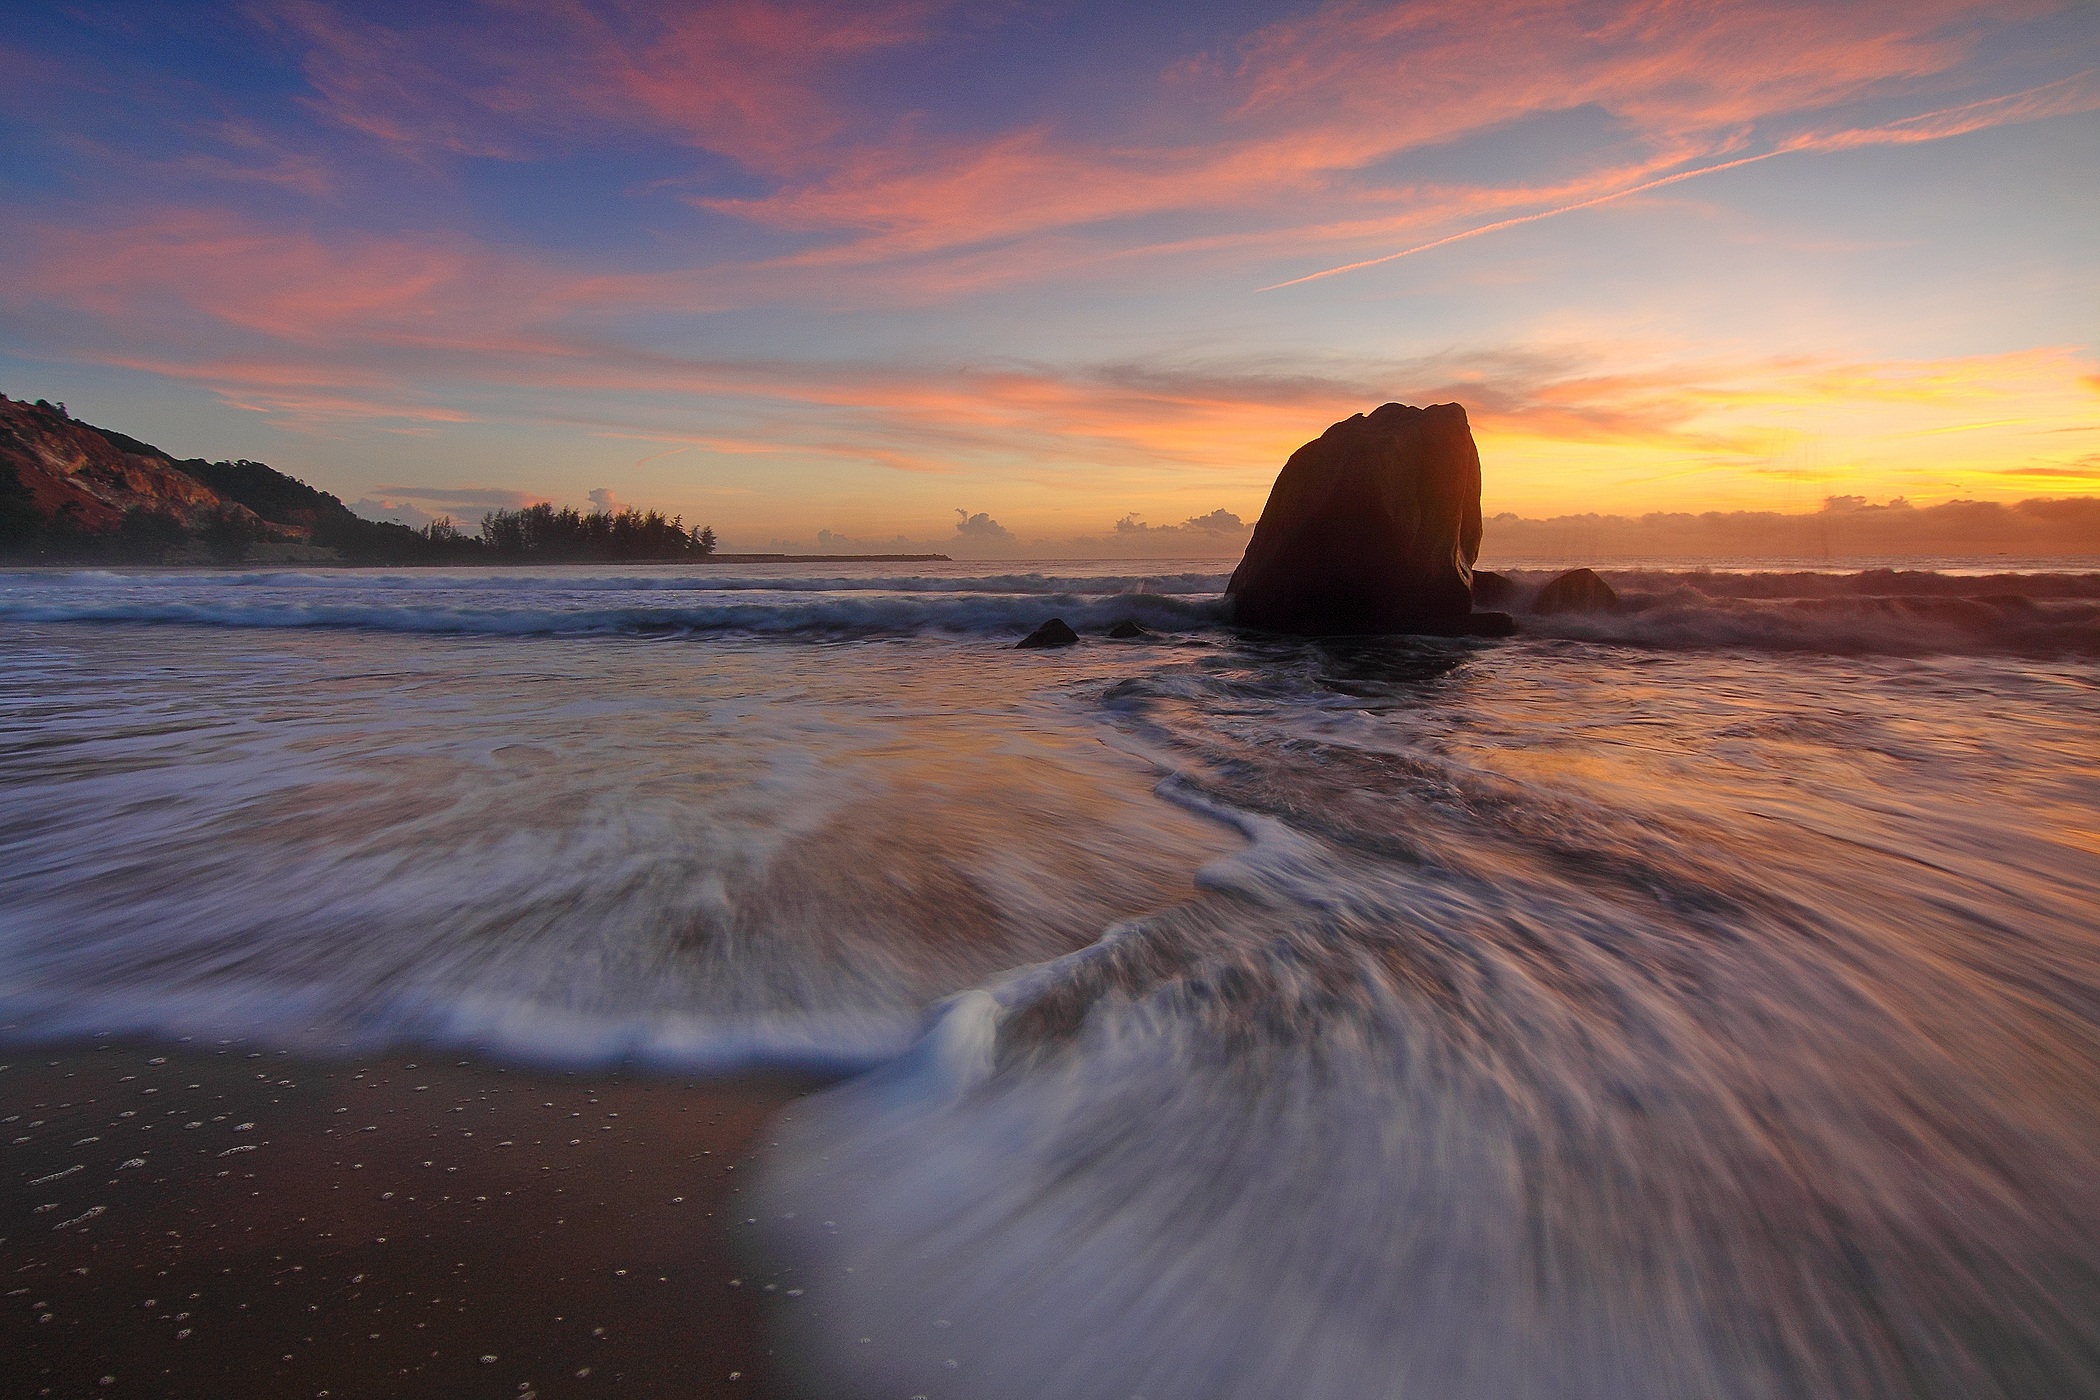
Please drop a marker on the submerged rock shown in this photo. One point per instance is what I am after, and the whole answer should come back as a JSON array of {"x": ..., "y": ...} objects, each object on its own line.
[
  {"x": 1127, "y": 629},
  {"x": 1577, "y": 590},
  {"x": 1490, "y": 588},
  {"x": 1490, "y": 624},
  {"x": 1373, "y": 527},
  {"x": 1053, "y": 633}
]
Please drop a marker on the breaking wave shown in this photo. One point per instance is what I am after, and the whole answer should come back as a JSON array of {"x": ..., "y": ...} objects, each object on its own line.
[
  {"x": 568, "y": 579},
  {"x": 1904, "y": 625},
  {"x": 1658, "y": 1005},
  {"x": 1875, "y": 612},
  {"x": 1557, "y": 1033},
  {"x": 633, "y": 602},
  {"x": 825, "y": 614}
]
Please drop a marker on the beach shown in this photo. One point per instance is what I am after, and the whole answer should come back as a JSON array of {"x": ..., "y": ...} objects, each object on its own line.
[{"x": 212, "y": 1221}]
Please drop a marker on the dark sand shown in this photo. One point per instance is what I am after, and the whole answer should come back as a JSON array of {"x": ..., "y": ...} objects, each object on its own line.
[{"x": 222, "y": 1222}]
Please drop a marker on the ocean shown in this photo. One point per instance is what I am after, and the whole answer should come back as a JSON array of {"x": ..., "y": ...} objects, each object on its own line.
[{"x": 1696, "y": 999}]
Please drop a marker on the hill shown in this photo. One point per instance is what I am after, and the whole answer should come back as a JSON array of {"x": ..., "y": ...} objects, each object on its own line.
[
  {"x": 83, "y": 480},
  {"x": 70, "y": 491}
]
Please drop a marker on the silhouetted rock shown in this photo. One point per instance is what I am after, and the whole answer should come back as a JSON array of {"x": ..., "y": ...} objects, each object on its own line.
[
  {"x": 1127, "y": 629},
  {"x": 1577, "y": 590},
  {"x": 1371, "y": 528},
  {"x": 1053, "y": 633},
  {"x": 1490, "y": 588}
]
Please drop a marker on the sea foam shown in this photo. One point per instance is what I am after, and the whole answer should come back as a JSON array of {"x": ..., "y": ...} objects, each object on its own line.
[
  {"x": 1696, "y": 998},
  {"x": 1873, "y": 612}
]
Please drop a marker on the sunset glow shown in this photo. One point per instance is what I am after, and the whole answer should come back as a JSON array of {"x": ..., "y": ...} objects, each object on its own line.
[{"x": 793, "y": 268}]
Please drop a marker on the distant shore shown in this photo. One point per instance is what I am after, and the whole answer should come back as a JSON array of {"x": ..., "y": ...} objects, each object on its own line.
[
  {"x": 224, "y": 1220},
  {"x": 309, "y": 560},
  {"x": 822, "y": 559}
]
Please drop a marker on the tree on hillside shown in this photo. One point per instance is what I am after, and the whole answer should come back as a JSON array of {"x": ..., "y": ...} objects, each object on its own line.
[
  {"x": 146, "y": 536},
  {"x": 228, "y": 537},
  {"x": 20, "y": 521}
]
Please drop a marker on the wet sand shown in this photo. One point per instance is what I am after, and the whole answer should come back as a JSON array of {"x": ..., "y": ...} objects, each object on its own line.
[{"x": 219, "y": 1221}]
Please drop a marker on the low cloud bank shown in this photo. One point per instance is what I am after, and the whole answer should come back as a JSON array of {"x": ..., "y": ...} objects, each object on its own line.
[
  {"x": 981, "y": 529},
  {"x": 394, "y": 511},
  {"x": 417, "y": 506},
  {"x": 1847, "y": 527},
  {"x": 1218, "y": 535},
  {"x": 976, "y": 536}
]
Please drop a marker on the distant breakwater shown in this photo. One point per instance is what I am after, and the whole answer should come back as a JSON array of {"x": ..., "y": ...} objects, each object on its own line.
[{"x": 825, "y": 559}]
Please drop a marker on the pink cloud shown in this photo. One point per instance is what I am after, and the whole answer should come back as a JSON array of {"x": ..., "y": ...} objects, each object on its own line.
[
  {"x": 1280, "y": 133},
  {"x": 1276, "y": 147},
  {"x": 248, "y": 155},
  {"x": 1310, "y": 106},
  {"x": 2068, "y": 96},
  {"x": 1272, "y": 144},
  {"x": 1431, "y": 71},
  {"x": 292, "y": 286},
  {"x": 314, "y": 329},
  {"x": 745, "y": 78}
]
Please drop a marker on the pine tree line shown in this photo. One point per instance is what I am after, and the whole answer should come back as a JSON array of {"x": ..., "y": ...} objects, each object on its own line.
[{"x": 542, "y": 534}]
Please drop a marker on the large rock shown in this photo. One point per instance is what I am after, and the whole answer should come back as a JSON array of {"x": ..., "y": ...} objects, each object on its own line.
[{"x": 1372, "y": 528}]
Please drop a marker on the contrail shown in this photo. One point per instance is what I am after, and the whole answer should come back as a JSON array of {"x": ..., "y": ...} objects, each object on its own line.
[
  {"x": 2014, "y": 107},
  {"x": 659, "y": 456},
  {"x": 1528, "y": 219}
]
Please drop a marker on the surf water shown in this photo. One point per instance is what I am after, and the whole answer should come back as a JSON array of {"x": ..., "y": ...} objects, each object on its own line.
[{"x": 1700, "y": 999}]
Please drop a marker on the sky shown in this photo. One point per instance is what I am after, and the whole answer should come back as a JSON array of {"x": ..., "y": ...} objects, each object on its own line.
[{"x": 1035, "y": 277}]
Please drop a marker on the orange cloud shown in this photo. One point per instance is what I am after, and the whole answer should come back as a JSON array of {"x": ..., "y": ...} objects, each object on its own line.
[
  {"x": 1557, "y": 430},
  {"x": 313, "y": 330},
  {"x": 299, "y": 317}
]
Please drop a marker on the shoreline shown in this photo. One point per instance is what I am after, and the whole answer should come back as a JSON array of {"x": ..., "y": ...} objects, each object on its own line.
[
  {"x": 210, "y": 566},
  {"x": 1972, "y": 565},
  {"x": 208, "y": 1221}
]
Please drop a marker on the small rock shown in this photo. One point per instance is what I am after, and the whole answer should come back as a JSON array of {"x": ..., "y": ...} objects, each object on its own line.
[
  {"x": 1127, "y": 629},
  {"x": 1491, "y": 588},
  {"x": 1578, "y": 590},
  {"x": 1053, "y": 633}
]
